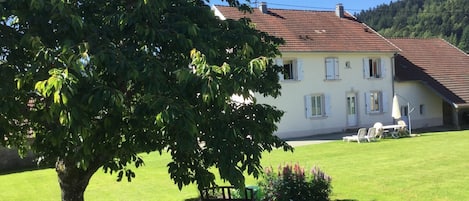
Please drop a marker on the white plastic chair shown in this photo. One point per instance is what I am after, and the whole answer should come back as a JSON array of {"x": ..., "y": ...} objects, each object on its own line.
[
  {"x": 379, "y": 130},
  {"x": 371, "y": 135},
  {"x": 360, "y": 136}
]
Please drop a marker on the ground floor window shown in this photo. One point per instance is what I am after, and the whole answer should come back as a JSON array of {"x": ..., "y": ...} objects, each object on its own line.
[{"x": 317, "y": 105}]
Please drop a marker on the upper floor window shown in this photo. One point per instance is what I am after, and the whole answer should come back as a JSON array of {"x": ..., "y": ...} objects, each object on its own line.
[
  {"x": 332, "y": 68},
  {"x": 288, "y": 70},
  {"x": 292, "y": 69},
  {"x": 373, "y": 67}
]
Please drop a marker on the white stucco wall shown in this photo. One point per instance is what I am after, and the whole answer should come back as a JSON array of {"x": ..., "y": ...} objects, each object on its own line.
[
  {"x": 295, "y": 124},
  {"x": 418, "y": 94}
]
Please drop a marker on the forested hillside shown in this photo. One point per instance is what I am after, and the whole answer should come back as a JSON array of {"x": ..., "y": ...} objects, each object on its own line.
[{"x": 448, "y": 19}]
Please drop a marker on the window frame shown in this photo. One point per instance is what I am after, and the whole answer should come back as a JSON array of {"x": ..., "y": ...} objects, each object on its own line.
[
  {"x": 373, "y": 68},
  {"x": 383, "y": 103},
  {"x": 294, "y": 66},
  {"x": 288, "y": 70},
  {"x": 317, "y": 105}
]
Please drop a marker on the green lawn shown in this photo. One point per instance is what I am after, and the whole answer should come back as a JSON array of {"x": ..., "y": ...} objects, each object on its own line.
[{"x": 433, "y": 166}]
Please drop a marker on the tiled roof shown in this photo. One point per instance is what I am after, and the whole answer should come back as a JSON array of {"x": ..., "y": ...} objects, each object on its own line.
[
  {"x": 438, "y": 64},
  {"x": 314, "y": 31}
]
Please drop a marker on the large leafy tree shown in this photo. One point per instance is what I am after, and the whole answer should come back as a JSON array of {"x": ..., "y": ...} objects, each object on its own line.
[{"x": 94, "y": 83}]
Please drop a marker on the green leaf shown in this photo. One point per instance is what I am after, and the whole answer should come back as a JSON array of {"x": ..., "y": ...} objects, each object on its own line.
[
  {"x": 57, "y": 97},
  {"x": 19, "y": 83},
  {"x": 63, "y": 117}
]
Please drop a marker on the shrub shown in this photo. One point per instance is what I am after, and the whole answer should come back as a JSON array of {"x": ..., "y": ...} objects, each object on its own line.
[{"x": 292, "y": 183}]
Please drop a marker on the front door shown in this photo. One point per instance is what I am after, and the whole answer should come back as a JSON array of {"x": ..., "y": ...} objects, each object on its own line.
[{"x": 352, "y": 117}]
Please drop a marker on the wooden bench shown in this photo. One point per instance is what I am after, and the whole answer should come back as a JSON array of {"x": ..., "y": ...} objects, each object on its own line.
[{"x": 225, "y": 193}]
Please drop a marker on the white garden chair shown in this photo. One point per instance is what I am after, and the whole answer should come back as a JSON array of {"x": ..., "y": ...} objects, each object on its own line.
[
  {"x": 360, "y": 136},
  {"x": 371, "y": 134}
]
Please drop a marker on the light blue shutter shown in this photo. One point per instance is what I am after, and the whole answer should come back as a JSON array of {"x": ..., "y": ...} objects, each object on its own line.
[
  {"x": 279, "y": 62},
  {"x": 366, "y": 67},
  {"x": 327, "y": 105},
  {"x": 367, "y": 102},
  {"x": 385, "y": 102},
  {"x": 383, "y": 67},
  {"x": 336, "y": 68},
  {"x": 329, "y": 69},
  {"x": 298, "y": 66},
  {"x": 308, "y": 108}
]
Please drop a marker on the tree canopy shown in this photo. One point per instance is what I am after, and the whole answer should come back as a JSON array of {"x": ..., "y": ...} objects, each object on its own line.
[
  {"x": 96, "y": 82},
  {"x": 423, "y": 19}
]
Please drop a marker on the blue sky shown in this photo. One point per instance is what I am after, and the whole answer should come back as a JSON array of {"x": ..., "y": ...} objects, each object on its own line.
[{"x": 352, "y": 6}]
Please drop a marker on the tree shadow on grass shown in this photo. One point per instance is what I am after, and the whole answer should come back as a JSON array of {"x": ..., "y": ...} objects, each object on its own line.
[
  {"x": 19, "y": 170},
  {"x": 198, "y": 199},
  {"x": 346, "y": 200},
  {"x": 193, "y": 199}
]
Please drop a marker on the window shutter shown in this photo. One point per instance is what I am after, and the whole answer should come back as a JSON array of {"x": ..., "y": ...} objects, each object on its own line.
[
  {"x": 298, "y": 66},
  {"x": 279, "y": 62},
  {"x": 367, "y": 102},
  {"x": 308, "y": 108},
  {"x": 383, "y": 67},
  {"x": 366, "y": 67},
  {"x": 329, "y": 69},
  {"x": 385, "y": 102},
  {"x": 336, "y": 68},
  {"x": 327, "y": 105}
]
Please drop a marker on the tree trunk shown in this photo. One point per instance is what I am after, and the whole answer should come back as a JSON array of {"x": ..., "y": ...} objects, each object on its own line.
[{"x": 73, "y": 180}]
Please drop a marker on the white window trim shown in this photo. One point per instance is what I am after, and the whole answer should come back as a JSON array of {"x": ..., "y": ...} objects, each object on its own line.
[{"x": 325, "y": 106}]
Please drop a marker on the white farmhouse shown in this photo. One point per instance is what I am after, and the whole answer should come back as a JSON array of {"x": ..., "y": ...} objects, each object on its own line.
[{"x": 339, "y": 74}]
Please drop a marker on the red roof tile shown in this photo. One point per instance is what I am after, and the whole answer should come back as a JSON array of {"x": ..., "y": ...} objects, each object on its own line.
[
  {"x": 314, "y": 31},
  {"x": 437, "y": 63}
]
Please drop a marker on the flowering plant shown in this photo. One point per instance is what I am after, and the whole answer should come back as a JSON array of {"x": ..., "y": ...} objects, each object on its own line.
[{"x": 291, "y": 182}]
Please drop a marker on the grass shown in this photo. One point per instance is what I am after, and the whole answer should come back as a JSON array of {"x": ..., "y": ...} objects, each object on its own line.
[{"x": 430, "y": 167}]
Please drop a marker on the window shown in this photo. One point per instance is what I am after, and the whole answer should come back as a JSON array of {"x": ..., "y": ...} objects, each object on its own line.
[
  {"x": 332, "y": 68},
  {"x": 317, "y": 105},
  {"x": 288, "y": 70},
  {"x": 376, "y": 102},
  {"x": 347, "y": 64},
  {"x": 404, "y": 111},
  {"x": 292, "y": 69},
  {"x": 373, "y": 68},
  {"x": 422, "y": 109}
]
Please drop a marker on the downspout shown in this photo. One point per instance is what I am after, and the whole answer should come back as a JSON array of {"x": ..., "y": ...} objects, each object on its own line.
[{"x": 393, "y": 75}]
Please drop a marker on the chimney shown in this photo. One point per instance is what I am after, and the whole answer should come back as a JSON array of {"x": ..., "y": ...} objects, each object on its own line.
[
  {"x": 263, "y": 7},
  {"x": 339, "y": 10}
]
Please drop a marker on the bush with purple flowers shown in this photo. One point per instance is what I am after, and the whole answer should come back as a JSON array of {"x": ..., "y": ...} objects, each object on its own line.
[{"x": 291, "y": 182}]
